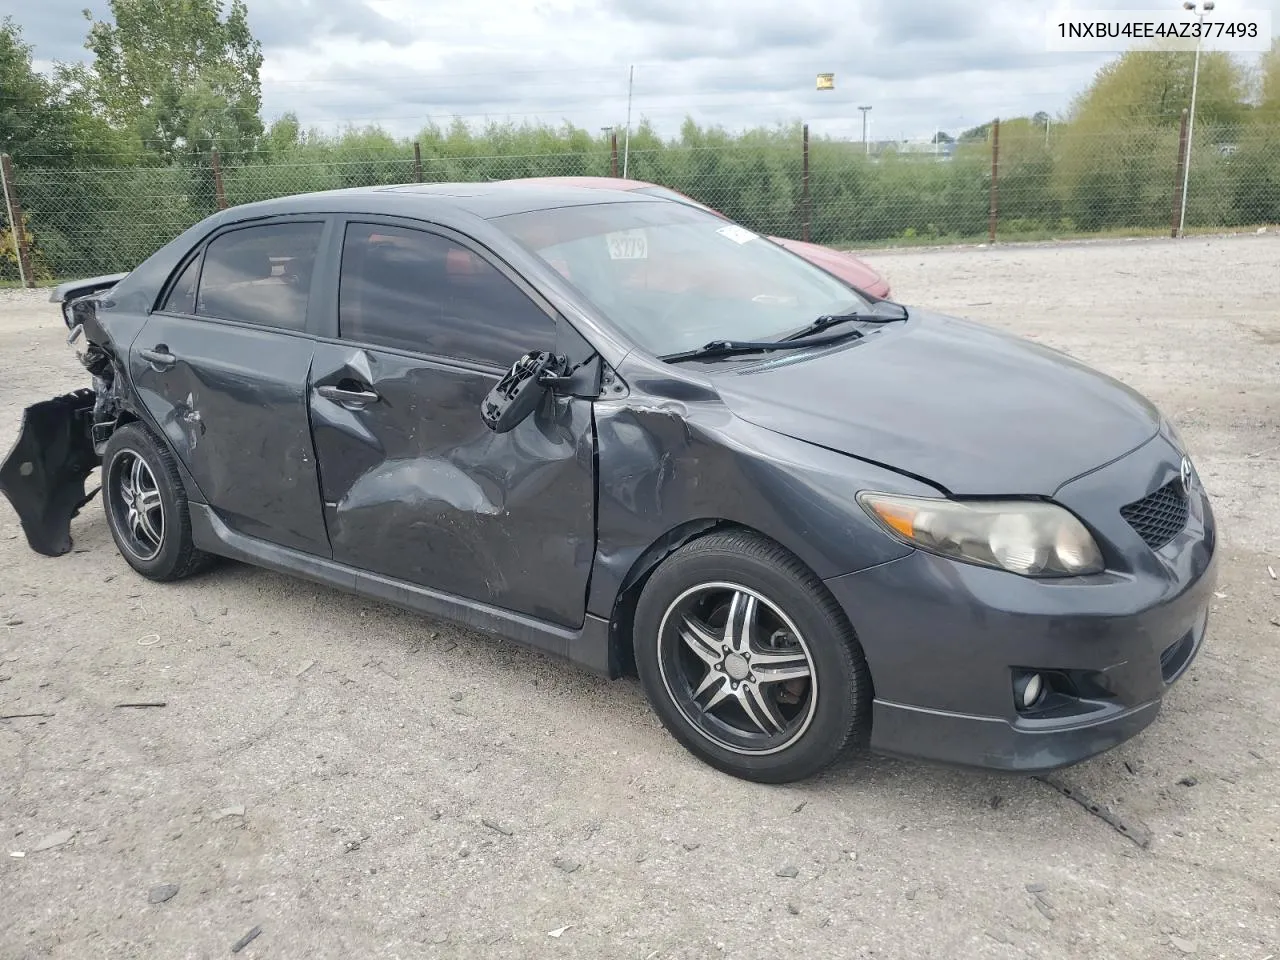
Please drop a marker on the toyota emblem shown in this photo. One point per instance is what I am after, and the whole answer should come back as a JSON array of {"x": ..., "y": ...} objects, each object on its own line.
[{"x": 1186, "y": 475}]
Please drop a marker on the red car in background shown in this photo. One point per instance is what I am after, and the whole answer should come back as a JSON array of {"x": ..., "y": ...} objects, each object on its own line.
[{"x": 843, "y": 265}]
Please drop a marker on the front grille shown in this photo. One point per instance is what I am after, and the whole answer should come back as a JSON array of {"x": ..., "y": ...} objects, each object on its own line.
[{"x": 1160, "y": 516}]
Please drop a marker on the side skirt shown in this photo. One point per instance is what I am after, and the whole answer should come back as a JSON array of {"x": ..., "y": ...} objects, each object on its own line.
[{"x": 588, "y": 647}]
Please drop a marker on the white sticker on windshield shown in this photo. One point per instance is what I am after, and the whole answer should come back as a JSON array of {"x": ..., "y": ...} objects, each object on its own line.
[
  {"x": 736, "y": 233},
  {"x": 628, "y": 245}
]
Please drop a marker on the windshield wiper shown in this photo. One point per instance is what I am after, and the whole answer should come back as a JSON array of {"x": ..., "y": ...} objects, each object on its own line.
[
  {"x": 726, "y": 348},
  {"x": 882, "y": 312}
]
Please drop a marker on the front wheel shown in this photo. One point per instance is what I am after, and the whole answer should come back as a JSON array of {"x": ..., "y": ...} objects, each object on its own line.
[{"x": 749, "y": 661}]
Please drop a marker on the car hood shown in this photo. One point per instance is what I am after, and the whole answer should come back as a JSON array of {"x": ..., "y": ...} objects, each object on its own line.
[
  {"x": 965, "y": 407},
  {"x": 844, "y": 265}
]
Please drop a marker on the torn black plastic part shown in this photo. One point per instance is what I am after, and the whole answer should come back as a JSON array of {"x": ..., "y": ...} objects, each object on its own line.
[
  {"x": 43, "y": 475},
  {"x": 516, "y": 395}
]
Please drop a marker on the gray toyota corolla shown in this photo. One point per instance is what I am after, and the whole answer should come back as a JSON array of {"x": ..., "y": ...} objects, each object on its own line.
[{"x": 619, "y": 429}]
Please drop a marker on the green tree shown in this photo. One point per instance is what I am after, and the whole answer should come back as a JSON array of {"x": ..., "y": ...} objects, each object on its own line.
[
  {"x": 180, "y": 75},
  {"x": 1269, "y": 85},
  {"x": 282, "y": 137},
  {"x": 1153, "y": 86},
  {"x": 46, "y": 121},
  {"x": 1255, "y": 169},
  {"x": 49, "y": 128},
  {"x": 29, "y": 115},
  {"x": 1117, "y": 155},
  {"x": 1025, "y": 175}
]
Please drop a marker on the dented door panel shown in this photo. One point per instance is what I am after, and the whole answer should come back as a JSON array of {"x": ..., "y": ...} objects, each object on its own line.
[
  {"x": 232, "y": 403},
  {"x": 416, "y": 487}
]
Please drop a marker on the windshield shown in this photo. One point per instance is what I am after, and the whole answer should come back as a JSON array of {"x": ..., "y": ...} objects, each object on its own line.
[{"x": 674, "y": 277}]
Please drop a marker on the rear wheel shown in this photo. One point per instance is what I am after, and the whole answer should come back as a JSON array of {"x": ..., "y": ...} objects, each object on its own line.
[
  {"x": 749, "y": 661},
  {"x": 146, "y": 506}
]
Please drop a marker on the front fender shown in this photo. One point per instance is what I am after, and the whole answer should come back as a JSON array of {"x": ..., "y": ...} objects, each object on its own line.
[{"x": 664, "y": 465}]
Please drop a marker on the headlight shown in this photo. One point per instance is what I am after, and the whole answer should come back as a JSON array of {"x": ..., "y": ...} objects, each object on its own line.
[{"x": 1024, "y": 537}]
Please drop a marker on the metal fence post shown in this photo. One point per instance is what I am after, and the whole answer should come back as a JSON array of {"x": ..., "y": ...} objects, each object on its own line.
[
  {"x": 995, "y": 177},
  {"x": 218, "y": 192},
  {"x": 804, "y": 190},
  {"x": 613, "y": 154},
  {"x": 1176, "y": 223},
  {"x": 25, "y": 274},
  {"x": 417, "y": 161}
]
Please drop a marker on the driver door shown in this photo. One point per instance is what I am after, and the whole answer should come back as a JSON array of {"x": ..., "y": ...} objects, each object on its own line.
[{"x": 414, "y": 485}]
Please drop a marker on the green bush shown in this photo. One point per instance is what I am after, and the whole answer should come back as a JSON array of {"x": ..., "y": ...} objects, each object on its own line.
[{"x": 1087, "y": 176}]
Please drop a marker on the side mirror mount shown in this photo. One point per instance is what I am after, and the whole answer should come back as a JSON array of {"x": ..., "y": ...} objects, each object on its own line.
[{"x": 517, "y": 394}]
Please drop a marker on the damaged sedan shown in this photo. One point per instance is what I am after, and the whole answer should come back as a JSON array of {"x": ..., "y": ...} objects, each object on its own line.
[{"x": 622, "y": 430}]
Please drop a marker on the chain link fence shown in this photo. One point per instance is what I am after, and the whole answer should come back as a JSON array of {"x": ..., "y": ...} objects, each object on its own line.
[{"x": 1020, "y": 182}]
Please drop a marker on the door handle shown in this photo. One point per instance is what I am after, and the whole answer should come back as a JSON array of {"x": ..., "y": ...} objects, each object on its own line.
[
  {"x": 159, "y": 357},
  {"x": 352, "y": 399}
]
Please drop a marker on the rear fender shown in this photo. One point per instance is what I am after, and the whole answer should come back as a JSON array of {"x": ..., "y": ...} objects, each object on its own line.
[
  {"x": 83, "y": 288},
  {"x": 43, "y": 476}
]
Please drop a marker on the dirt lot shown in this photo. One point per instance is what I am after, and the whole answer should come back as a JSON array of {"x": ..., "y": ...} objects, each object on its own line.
[{"x": 360, "y": 782}]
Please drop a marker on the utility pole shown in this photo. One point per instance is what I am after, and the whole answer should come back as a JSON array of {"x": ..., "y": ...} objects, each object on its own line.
[
  {"x": 866, "y": 146},
  {"x": 1200, "y": 9}
]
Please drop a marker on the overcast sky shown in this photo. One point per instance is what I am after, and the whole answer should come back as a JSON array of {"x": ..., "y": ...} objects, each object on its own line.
[{"x": 917, "y": 63}]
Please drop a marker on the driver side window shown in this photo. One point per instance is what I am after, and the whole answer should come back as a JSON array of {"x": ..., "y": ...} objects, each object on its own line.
[{"x": 412, "y": 290}]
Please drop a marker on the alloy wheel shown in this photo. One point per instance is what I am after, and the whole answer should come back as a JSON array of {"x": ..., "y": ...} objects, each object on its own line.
[
  {"x": 136, "y": 505},
  {"x": 737, "y": 668}
]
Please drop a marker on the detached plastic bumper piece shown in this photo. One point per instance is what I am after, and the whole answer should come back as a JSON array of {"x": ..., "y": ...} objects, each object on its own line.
[{"x": 43, "y": 476}]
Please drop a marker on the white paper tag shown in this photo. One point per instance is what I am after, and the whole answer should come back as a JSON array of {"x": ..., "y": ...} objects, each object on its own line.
[
  {"x": 736, "y": 233},
  {"x": 628, "y": 245}
]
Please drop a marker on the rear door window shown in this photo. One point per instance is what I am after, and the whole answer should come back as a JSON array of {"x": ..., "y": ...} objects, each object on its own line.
[
  {"x": 412, "y": 290},
  {"x": 260, "y": 275},
  {"x": 182, "y": 295}
]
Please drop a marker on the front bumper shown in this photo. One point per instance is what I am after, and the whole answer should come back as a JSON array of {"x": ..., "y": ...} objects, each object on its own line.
[{"x": 944, "y": 640}]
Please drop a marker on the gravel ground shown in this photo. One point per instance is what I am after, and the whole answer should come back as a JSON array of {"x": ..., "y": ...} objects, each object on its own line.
[{"x": 359, "y": 782}]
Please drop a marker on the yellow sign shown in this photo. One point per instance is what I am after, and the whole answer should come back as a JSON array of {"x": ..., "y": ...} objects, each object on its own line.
[{"x": 826, "y": 81}]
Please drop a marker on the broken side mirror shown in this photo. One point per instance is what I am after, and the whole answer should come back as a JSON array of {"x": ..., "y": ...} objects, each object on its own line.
[{"x": 517, "y": 394}]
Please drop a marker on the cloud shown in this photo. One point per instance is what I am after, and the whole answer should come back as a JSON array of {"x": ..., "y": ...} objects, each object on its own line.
[
  {"x": 56, "y": 29},
  {"x": 662, "y": 12},
  {"x": 952, "y": 21},
  {"x": 282, "y": 24},
  {"x": 919, "y": 63}
]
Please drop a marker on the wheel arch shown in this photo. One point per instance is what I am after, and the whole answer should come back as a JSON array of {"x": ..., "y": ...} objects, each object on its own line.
[
  {"x": 131, "y": 410},
  {"x": 622, "y": 616}
]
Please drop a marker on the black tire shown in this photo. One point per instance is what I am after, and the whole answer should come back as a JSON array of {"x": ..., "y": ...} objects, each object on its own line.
[
  {"x": 170, "y": 554},
  {"x": 790, "y": 741}
]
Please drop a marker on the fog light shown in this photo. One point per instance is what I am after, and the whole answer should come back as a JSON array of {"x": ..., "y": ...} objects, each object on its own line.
[{"x": 1027, "y": 689}]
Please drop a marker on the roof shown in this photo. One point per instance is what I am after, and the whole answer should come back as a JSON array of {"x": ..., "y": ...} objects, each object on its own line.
[{"x": 484, "y": 200}]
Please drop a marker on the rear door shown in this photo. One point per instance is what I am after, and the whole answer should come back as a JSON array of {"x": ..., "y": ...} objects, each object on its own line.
[
  {"x": 414, "y": 485},
  {"x": 222, "y": 367}
]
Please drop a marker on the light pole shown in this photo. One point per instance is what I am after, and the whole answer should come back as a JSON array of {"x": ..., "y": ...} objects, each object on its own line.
[
  {"x": 1200, "y": 9},
  {"x": 866, "y": 146}
]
